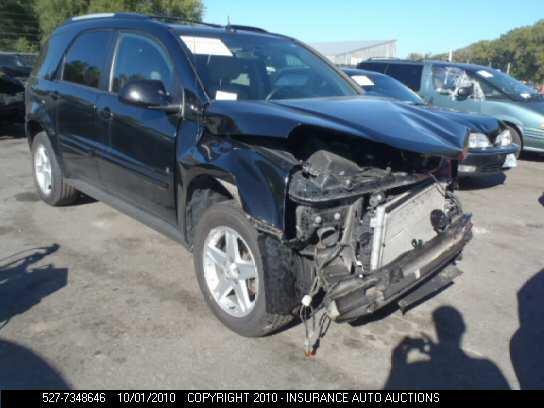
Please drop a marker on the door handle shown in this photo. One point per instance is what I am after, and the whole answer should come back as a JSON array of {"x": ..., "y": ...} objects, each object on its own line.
[{"x": 105, "y": 113}]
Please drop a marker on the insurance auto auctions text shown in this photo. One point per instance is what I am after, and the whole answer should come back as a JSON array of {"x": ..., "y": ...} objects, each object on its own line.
[{"x": 313, "y": 397}]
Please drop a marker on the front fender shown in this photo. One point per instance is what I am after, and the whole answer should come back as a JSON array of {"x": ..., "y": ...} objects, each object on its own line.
[{"x": 261, "y": 181}]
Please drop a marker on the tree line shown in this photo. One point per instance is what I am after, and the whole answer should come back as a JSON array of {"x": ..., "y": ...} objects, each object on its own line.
[
  {"x": 25, "y": 24},
  {"x": 519, "y": 51}
]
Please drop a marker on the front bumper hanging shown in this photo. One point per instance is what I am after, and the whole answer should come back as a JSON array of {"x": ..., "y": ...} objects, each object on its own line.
[{"x": 410, "y": 277}]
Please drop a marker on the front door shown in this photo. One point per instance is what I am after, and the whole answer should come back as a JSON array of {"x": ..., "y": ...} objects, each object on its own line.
[
  {"x": 78, "y": 88},
  {"x": 139, "y": 167},
  {"x": 446, "y": 82}
]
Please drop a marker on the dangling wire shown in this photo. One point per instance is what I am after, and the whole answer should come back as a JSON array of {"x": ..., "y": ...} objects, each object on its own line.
[{"x": 307, "y": 313}]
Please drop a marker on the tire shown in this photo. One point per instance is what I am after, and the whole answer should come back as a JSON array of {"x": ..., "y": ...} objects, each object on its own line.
[
  {"x": 56, "y": 192},
  {"x": 226, "y": 216},
  {"x": 516, "y": 139}
]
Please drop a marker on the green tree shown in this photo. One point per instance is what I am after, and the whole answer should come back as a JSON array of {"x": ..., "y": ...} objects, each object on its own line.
[
  {"x": 521, "y": 49},
  {"x": 52, "y": 13},
  {"x": 19, "y": 29},
  {"x": 416, "y": 56}
]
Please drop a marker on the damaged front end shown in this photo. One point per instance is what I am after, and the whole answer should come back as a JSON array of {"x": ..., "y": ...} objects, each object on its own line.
[{"x": 375, "y": 235}]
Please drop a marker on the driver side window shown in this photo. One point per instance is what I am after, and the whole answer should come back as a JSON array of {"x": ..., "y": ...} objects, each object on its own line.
[
  {"x": 447, "y": 78},
  {"x": 139, "y": 57}
]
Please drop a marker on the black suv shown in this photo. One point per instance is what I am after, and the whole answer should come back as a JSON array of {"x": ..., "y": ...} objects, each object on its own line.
[{"x": 293, "y": 191}]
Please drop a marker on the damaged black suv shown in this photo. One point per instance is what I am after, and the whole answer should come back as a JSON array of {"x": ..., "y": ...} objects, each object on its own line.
[{"x": 294, "y": 192}]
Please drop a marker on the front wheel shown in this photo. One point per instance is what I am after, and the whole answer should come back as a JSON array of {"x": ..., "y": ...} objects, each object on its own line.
[
  {"x": 516, "y": 139},
  {"x": 229, "y": 268}
]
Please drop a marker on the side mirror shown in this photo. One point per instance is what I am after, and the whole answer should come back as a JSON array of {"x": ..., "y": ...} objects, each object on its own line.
[
  {"x": 464, "y": 92},
  {"x": 147, "y": 93}
]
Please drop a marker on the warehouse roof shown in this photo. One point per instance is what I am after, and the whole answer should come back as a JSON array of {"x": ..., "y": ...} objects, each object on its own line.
[{"x": 344, "y": 47}]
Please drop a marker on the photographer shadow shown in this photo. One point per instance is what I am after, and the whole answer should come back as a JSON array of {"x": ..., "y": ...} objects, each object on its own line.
[
  {"x": 447, "y": 366},
  {"x": 526, "y": 343}
]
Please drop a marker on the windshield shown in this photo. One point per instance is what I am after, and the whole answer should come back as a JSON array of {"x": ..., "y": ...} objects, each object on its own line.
[
  {"x": 384, "y": 86},
  {"x": 505, "y": 83},
  {"x": 257, "y": 67},
  {"x": 10, "y": 61}
]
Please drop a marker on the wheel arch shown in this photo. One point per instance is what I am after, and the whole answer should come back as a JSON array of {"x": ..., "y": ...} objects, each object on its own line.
[
  {"x": 518, "y": 127},
  {"x": 257, "y": 186}
]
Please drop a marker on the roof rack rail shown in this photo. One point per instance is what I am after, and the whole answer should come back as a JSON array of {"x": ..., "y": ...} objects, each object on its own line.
[
  {"x": 104, "y": 15},
  {"x": 244, "y": 28},
  {"x": 163, "y": 18},
  {"x": 179, "y": 19},
  {"x": 90, "y": 16}
]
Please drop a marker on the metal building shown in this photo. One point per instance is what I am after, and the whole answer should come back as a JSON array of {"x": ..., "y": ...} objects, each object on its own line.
[{"x": 353, "y": 52}]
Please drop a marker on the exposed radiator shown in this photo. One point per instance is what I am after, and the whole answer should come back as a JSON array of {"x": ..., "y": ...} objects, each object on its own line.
[{"x": 399, "y": 222}]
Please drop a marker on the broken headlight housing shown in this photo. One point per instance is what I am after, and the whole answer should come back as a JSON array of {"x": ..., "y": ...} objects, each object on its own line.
[
  {"x": 504, "y": 138},
  {"x": 478, "y": 141}
]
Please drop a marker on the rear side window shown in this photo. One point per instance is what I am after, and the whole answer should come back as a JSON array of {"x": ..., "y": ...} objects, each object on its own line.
[
  {"x": 50, "y": 58},
  {"x": 408, "y": 74},
  {"x": 85, "y": 61},
  {"x": 140, "y": 57},
  {"x": 373, "y": 66}
]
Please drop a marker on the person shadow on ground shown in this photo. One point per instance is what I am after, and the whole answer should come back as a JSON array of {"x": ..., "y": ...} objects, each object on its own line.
[
  {"x": 23, "y": 285},
  {"x": 447, "y": 366},
  {"x": 527, "y": 343},
  {"x": 21, "y": 368}
]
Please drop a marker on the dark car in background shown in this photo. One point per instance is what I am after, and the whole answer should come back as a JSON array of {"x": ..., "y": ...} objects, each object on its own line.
[
  {"x": 14, "y": 71},
  {"x": 473, "y": 88},
  {"x": 490, "y": 143},
  {"x": 293, "y": 191}
]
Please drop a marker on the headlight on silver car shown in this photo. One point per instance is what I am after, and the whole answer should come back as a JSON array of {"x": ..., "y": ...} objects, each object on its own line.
[
  {"x": 478, "y": 141},
  {"x": 504, "y": 138}
]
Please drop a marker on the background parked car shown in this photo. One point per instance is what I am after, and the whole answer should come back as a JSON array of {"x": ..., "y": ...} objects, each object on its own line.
[
  {"x": 489, "y": 151},
  {"x": 14, "y": 71},
  {"x": 474, "y": 88}
]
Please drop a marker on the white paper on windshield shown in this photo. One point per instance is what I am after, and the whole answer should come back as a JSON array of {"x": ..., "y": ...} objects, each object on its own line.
[
  {"x": 362, "y": 80},
  {"x": 225, "y": 96},
  {"x": 525, "y": 95},
  {"x": 485, "y": 74},
  {"x": 206, "y": 46}
]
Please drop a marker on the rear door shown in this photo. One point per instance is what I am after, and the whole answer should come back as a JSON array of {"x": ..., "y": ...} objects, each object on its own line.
[
  {"x": 82, "y": 80},
  {"x": 408, "y": 74},
  {"x": 139, "y": 166}
]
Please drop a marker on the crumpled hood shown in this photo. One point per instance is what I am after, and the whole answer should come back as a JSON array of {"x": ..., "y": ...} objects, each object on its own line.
[{"x": 399, "y": 125}]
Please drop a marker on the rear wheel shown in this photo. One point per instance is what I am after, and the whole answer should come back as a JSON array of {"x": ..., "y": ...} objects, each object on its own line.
[
  {"x": 229, "y": 267},
  {"x": 48, "y": 176}
]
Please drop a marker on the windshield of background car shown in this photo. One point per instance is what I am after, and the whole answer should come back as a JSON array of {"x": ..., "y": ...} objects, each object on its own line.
[
  {"x": 259, "y": 67},
  {"x": 505, "y": 83},
  {"x": 11, "y": 61},
  {"x": 389, "y": 88}
]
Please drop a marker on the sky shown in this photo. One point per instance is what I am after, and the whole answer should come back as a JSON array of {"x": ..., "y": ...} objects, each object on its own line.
[{"x": 417, "y": 25}]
